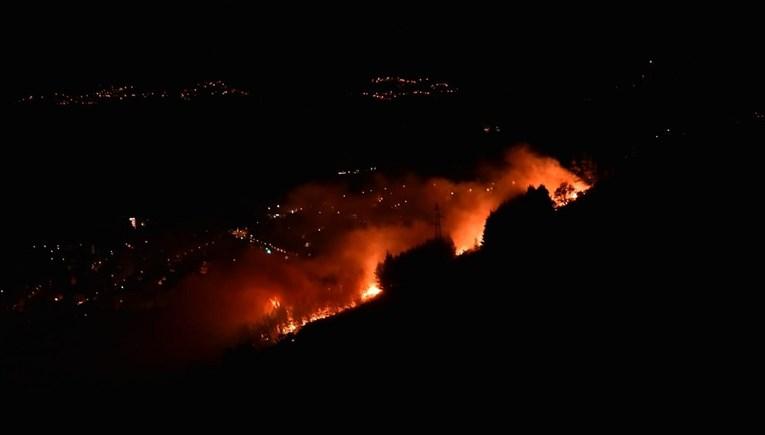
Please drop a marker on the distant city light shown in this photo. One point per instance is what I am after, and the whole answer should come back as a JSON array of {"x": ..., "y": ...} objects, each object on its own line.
[{"x": 125, "y": 93}]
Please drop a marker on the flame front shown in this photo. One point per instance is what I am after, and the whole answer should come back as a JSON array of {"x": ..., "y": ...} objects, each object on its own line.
[
  {"x": 371, "y": 292},
  {"x": 331, "y": 238}
]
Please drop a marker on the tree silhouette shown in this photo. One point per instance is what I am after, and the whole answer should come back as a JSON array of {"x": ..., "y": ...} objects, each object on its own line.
[
  {"x": 422, "y": 267},
  {"x": 520, "y": 220},
  {"x": 563, "y": 193}
]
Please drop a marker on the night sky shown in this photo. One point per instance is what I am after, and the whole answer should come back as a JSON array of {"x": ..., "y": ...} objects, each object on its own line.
[
  {"x": 78, "y": 46},
  {"x": 276, "y": 204}
]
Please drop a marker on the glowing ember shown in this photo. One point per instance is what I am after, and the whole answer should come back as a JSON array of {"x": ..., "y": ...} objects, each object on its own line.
[
  {"x": 292, "y": 325},
  {"x": 371, "y": 292},
  {"x": 275, "y": 304}
]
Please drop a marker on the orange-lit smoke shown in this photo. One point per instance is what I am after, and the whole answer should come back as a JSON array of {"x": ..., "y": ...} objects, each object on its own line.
[{"x": 333, "y": 237}]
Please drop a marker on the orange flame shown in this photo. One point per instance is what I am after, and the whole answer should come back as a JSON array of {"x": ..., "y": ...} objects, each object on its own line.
[
  {"x": 465, "y": 205},
  {"x": 371, "y": 292},
  {"x": 336, "y": 237}
]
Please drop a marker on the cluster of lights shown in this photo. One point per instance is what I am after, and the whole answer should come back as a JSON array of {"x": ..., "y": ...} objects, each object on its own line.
[
  {"x": 286, "y": 322},
  {"x": 106, "y": 95},
  {"x": 356, "y": 171},
  {"x": 663, "y": 133},
  {"x": 391, "y": 88},
  {"x": 181, "y": 256},
  {"x": 275, "y": 212},
  {"x": 268, "y": 247},
  {"x": 135, "y": 223},
  {"x": 240, "y": 233},
  {"x": 122, "y": 268},
  {"x": 215, "y": 88},
  {"x": 117, "y": 94},
  {"x": 393, "y": 197},
  {"x": 399, "y": 80}
]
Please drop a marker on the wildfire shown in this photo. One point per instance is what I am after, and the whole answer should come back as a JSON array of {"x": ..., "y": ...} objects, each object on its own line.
[
  {"x": 342, "y": 234},
  {"x": 465, "y": 223},
  {"x": 292, "y": 325},
  {"x": 288, "y": 323},
  {"x": 371, "y": 292},
  {"x": 568, "y": 192},
  {"x": 274, "y": 303}
]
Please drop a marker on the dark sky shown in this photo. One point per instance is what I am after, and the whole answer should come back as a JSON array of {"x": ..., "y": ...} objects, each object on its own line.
[
  {"x": 65, "y": 47},
  {"x": 706, "y": 63}
]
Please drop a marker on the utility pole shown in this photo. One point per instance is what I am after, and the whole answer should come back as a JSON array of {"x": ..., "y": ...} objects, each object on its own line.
[{"x": 437, "y": 223}]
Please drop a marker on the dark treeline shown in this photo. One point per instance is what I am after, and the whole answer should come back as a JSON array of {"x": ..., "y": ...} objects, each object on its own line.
[
  {"x": 601, "y": 297},
  {"x": 589, "y": 298}
]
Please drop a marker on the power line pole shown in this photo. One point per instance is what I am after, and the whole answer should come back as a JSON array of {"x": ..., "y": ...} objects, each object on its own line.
[{"x": 437, "y": 223}]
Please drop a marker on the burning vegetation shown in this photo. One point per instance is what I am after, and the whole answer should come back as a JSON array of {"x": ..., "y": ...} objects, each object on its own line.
[{"x": 318, "y": 253}]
